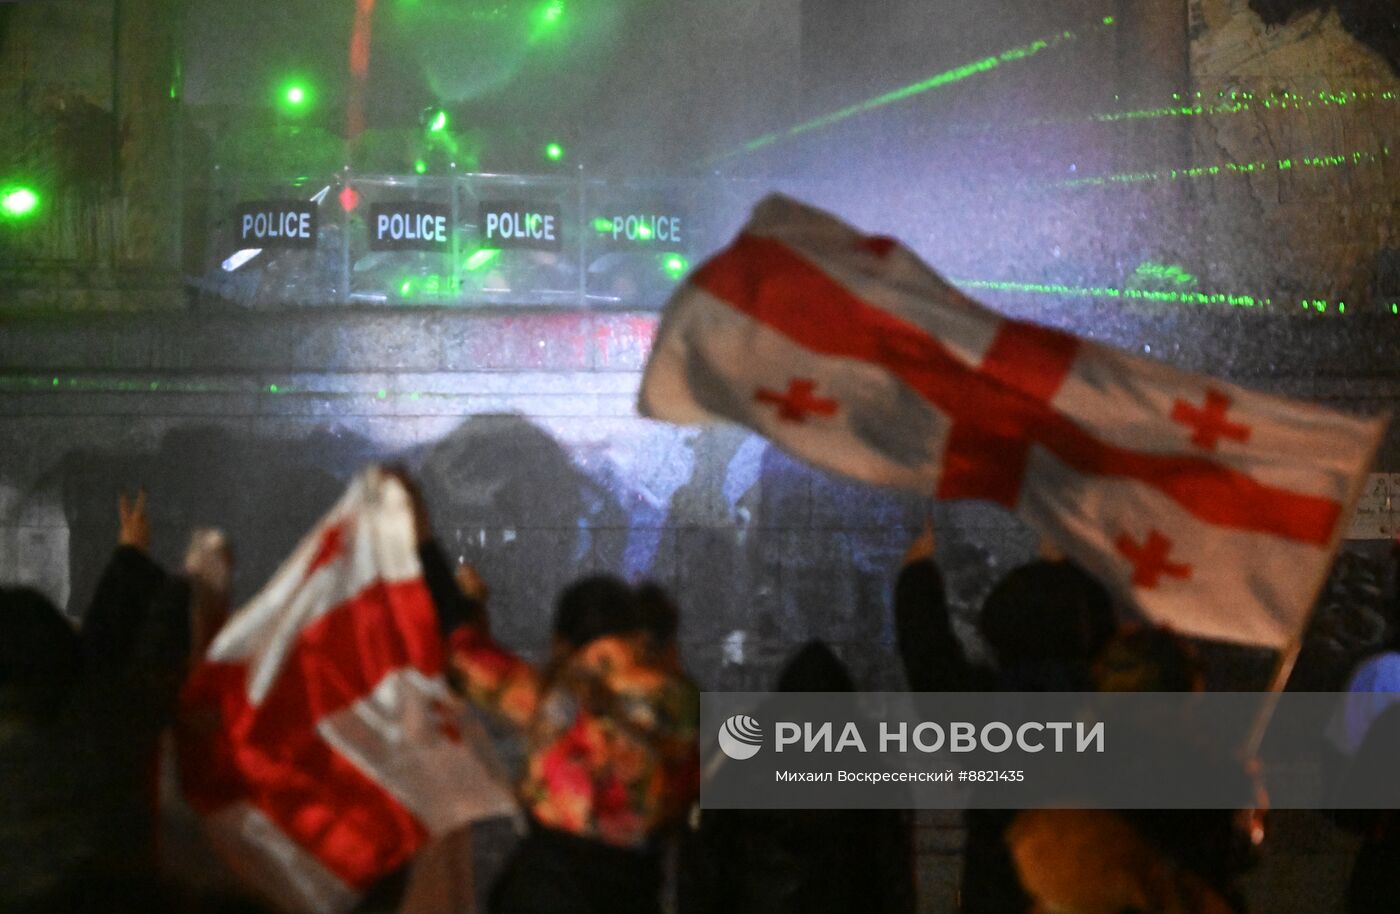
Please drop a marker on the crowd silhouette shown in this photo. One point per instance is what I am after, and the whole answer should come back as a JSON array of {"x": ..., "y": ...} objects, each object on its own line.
[{"x": 609, "y": 780}]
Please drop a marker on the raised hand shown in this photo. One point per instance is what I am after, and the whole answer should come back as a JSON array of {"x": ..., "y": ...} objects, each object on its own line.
[
  {"x": 209, "y": 560},
  {"x": 135, "y": 530},
  {"x": 209, "y": 566},
  {"x": 472, "y": 583},
  {"x": 924, "y": 545}
]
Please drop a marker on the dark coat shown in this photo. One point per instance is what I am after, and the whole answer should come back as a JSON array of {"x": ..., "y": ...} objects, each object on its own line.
[
  {"x": 806, "y": 861},
  {"x": 933, "y": 657},
  {"x": 1371, "y": 791},
  {"x": 77, "y": 781},
  {"x": 1204, "y": 841},
  {"x": 803, "y": 861},
  {"x": 935, "y": 661}
]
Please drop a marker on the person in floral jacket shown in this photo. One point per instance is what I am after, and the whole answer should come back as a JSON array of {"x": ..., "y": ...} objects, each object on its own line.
[{"x": 611, "y": 761}]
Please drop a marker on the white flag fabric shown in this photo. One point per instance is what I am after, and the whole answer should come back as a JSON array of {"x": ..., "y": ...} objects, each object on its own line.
[
  {"x": 320, "y": 743},
  {"x": 1212, "y": 508}
]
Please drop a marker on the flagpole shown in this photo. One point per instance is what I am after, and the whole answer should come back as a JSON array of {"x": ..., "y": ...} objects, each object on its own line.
[
  {"x": 1283, "y": 669},
  {"x": 1288, "y": 656}
]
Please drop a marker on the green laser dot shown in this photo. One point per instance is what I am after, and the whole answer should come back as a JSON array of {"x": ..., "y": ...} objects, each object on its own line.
[
  {"x": 480, "y": 258},
  {"x": 294, "y": 97},
  {"x": 674, "y": 265},
  {"x": 18, "y": 202}
]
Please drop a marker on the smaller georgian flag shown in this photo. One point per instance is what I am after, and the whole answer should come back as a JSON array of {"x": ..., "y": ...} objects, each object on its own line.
[
  {"x": 319, "y": 741},
  {"x": 1212, "y": 508}
]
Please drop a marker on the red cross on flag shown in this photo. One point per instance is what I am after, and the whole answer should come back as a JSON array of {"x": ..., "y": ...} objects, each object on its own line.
[
  {"x": 1212, "y": 508},
  {"x": 320, "y": 743}
]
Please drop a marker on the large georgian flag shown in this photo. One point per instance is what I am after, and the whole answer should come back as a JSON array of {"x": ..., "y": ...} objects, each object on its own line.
[
  {"x": 1213, "y": 508},
  {"x": 319, "y": 740}
]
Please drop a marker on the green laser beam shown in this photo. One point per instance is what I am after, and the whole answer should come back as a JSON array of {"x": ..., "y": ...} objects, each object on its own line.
[
  {"x": 1352, "y": 159},
  {"x": 1311, "y": 305},
  {"x": 1152, "y": 295},
  {"x": 937, "y": 81},
  {"x": 1202, "y": 105},
  {"x": 1237, "y": 102}
]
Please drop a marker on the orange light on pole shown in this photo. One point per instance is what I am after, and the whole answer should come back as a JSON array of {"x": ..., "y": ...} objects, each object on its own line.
[{"x": 359, "y": 68}]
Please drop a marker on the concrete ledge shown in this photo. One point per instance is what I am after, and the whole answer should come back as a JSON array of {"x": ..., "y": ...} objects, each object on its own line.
[
  {"x": 337, "y": 340},
  {"x": 1262, "y": 348}
]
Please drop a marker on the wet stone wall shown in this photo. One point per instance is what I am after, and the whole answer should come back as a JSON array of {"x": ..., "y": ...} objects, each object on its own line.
[{"x": 523, "y": 429}]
